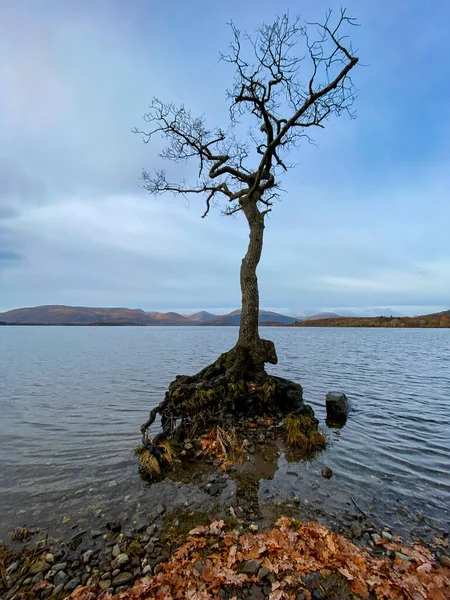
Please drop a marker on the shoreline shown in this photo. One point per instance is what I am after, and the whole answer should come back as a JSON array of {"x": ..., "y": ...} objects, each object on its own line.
[{"x": 111, "y": 560}]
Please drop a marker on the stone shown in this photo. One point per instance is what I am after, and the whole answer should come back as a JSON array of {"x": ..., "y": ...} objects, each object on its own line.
[
  {"x": 38, "y": 566},
  {"x": 147, "y": 570},
  {"x": 151, "y": 530},
  {"x": 338, "y": 407},
  {"x": 12, "y": 567},
  {"x": 376, "y": 538},
  {"x": 58, "y": 589},
  {"x": 116, "y": 550},
  {"x": 104, "y": 584},
  {"x": 60, "y": 578},
  {"x": 72, "y": 584},
  {"x": 37, "y": 578},
  {"x": 86, "y": 558},
  {"x": 327, "y": 472},
  {"x": 122, "y": 579},
  {"x": 59, "y": 566},
  {"x": 27, "y": 581},
  {"x": 387, "y": 536},
  {"x": 50, "y": 574},
  {"x": 356, "y": 531},
  {"x": 263, "y": 572},
  {"x": 95, "y": 533},
  {"x": 402, "y": 556},
  {"x": 251, "y": 567},
  {"x": 115, "y": 572},
  {"x": 49, "y": 558},
  {"x": 120, "y": 560},
  {"x": 444, "y": 560},
  {"x": 253, "y": 527}
]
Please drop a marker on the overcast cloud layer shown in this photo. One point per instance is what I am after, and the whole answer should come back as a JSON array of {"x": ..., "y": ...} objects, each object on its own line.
[{"x": 365, "y": 217}]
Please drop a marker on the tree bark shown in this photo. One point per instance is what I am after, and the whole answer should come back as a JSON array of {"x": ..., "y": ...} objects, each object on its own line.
[
  {"x": 261, "y": 351},
  {"x": 248, "y": 330}
]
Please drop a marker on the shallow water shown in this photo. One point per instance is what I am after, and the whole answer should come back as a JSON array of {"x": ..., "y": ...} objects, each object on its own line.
[{"x": 72, "y": 400}]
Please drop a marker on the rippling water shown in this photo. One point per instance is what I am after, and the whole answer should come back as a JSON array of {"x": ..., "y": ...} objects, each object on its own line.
[{"x": 72, "y": 400}]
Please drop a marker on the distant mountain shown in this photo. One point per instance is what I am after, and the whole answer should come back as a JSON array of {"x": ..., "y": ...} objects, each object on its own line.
[
  {"x": 82, "y": 315},
  {"x": 265, "y": 316},
  {"x": 441, "y": 319},
  {"x": 322, "y": 315},
  {"x": 169, "y": 318},
  {"x": 201, "y": 317}
]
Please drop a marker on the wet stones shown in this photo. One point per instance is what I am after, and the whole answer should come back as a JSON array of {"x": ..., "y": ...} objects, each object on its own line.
[{"x": 122, "y": 579}]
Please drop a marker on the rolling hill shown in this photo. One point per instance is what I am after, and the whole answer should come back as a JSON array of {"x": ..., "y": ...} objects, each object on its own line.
[
  {"x": 441, "y": 319},
  {"x": 82, "y": 315}
]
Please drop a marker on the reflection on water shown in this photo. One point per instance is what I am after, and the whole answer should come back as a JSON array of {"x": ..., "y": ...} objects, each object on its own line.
[{"x": 72, "y": 401}]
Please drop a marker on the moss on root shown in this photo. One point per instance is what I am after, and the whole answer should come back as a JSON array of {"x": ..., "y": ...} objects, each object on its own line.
[
  {"x": 302, "y": 433},
  {"x": 222, "y": 395}
]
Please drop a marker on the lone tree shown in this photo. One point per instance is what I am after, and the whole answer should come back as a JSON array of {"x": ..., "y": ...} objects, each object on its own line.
[{"x": 286, "y": 95}]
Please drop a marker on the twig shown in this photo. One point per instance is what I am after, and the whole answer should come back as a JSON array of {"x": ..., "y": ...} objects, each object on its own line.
[{"x": 361, "y": 511}]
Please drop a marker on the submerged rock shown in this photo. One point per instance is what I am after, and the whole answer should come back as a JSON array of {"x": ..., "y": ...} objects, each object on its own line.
[{"x": 338, "y": 407}]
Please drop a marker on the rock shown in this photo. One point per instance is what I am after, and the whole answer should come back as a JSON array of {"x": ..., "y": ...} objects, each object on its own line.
[
  {"x": 263, "y": 572},
  {"x": 338, "y": 407},
  {"x": 445, "y": 561},
  {"x": 214, "y": 489},
  {"x": 188, "y": 446},
  {"x": 60, "y": 578},
  {"x": 327, "y": 472},
  {"x": 12, "y": 567},
  {"x": 72, "y": 584},
  {"x": 376, "y": 538},
  {"x": 58, "y": 589},
  {"x": 104, "y": 584},
  {"x": 95, "y": 533},
  {"x": 387, "y": 536},
  {"x": 151, "y": 530},
  {"x": 114, "y": 526},
  {"x": 147, "y": 570},
  {"x": 86, "y": 558},
  {"x": 27, "y": 581},
  {"x": 122, "y": 579},
  {"x": 38, "y": 566},
  {"x": 59, "y": 566},
  {"x": 149, "y": 548},
  {"x": 50, "y": 574},
  {"x": 116, "y": 550},
  {"x": 115, "y": 572},
  {"x": 251, "y": 567},
  {"x": 253, "y": 527},
  {"x": 119, "y": 560},
  {"x": 356, "y": 531},
  {"x": 402, "y": 556},
  {"x": 49, "y": 558},
  {"x": 37, "y": 578}
]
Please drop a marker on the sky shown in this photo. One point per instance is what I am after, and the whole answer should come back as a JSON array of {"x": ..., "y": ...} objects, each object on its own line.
[{"x": 362, "y": 225}]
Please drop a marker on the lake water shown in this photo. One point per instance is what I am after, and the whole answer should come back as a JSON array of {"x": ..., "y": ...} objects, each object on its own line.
[{"x": 72, "y": 400}]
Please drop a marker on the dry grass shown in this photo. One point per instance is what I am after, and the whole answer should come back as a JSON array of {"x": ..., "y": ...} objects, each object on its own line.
[
  {"x": 224, "y": 445},
  {"x": 302, "y": 433},
  {"x": 149, "y": 462}
]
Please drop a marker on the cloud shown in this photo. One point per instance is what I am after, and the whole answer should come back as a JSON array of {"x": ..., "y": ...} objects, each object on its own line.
[{"x": 365, "y": 215}]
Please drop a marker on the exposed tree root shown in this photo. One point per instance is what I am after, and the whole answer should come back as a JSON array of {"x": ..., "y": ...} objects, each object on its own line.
[{"x": 234, "y": 387}]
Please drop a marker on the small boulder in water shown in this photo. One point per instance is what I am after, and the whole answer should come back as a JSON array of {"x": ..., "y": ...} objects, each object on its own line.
[
  {"x": 338, "y": 407},
  {"x": 327, "y": 472}
]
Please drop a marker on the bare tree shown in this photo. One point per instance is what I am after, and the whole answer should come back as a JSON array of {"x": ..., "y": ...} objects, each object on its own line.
[{"x": 286, "y": 95}]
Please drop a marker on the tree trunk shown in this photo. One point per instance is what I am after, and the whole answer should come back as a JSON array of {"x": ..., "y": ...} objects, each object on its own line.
[{"x": 261, "y": 351}]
